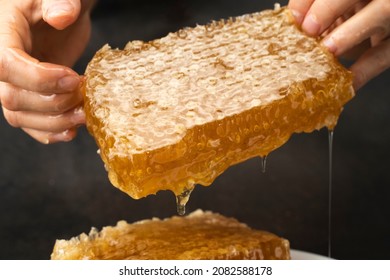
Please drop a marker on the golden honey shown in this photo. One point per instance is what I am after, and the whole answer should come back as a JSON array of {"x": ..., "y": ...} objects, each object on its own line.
[
  {"x": 199, "y": 235},
  {"x": 180, "y": 110}
]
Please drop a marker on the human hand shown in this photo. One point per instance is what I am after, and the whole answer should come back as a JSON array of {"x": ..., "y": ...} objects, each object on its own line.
[
  {"x": 38, "y": 40},
  {"x": 350, "y": 26}
]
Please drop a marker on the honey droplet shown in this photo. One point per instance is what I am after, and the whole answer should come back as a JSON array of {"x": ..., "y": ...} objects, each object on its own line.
[
  {"x": 330, "y": 142},
  {"x": 182, "y": 199},
  {"x": 263, "y": 163}
]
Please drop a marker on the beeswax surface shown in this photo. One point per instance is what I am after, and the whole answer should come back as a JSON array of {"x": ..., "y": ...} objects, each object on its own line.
[
  {"x": 200, "y": 235},
  {"x": 178, "y": 111}
]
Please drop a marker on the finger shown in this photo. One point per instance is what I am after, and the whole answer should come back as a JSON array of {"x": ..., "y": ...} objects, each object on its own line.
[
  {"x": 323, "y": 13},
  {"x": 14, "y": 28},
  {"x": 20, "y": 69},
  {"x": 299, "y": 9},
  {"x": 333, "y": 26},
  {"x": 357, "y": 51},
  {"x": 49, "y": 137},
  {"x": 60, "y": 13},
  {"x": 372, "y": 20},
  {"x": 16, "y": 99},
  {"x": 344, "y": 17},
  {"x": 45, "y": 122},
  {"x": 23, "y": 71},
  {"x": 371, "y": 63}
]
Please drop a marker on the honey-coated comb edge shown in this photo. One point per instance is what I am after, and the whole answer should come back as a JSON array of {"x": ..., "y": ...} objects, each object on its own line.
[{"x": 178, "y": 111}]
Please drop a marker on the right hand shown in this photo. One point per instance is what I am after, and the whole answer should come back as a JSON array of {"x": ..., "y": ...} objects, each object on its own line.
[
  {"x": 39, "y": 41},
  {"x": 357, "y": 28}
]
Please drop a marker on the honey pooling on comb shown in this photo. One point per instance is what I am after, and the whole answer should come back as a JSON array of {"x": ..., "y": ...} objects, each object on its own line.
[{"x": 180, "y": 110}]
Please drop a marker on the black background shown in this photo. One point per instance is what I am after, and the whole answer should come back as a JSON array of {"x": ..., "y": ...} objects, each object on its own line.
[{"x": 58, "y": 191}]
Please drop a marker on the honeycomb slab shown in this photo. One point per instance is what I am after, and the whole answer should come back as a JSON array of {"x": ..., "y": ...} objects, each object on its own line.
[
  {"x": 180, "y": 110},
  {"x": 199, "y": 235}
]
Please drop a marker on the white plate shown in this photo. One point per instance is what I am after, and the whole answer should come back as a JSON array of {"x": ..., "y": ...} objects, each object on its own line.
[{"x": 302, "y": 255}]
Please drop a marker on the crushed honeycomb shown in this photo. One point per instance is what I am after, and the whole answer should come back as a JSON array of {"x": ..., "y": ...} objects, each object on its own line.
[
  {"x": 178, "y": 111},
  {"x": 199, "y": 235}
]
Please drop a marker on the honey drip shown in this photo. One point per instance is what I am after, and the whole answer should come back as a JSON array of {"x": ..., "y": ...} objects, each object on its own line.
[
  {"x": 182, "y": 199},
  {"x": 330, "y": 142},
  {"x": 263, "y": 163}
]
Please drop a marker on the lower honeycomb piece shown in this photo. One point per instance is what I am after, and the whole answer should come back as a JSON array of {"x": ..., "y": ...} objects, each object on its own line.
[
  {"x": 199, "y": 235},
  {"x": 178, "y": 111}
]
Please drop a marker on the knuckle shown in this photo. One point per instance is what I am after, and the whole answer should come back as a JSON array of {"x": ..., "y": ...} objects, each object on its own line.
[
  {"x": 383, "y": 60},
  {"x": 9, "y": 99},
  {"x": 39, "y": 82},
  {"x": 3, "y": 66},
  {"x": 360, "y": 77},
  {"x": 12, "y": 118},
  {"x": 381, "y": 55}
]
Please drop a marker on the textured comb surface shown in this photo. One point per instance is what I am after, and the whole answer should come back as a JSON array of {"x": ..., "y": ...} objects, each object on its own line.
[
  {"x": 200, "y": 235},
  {"x": 180, "y": 110}
]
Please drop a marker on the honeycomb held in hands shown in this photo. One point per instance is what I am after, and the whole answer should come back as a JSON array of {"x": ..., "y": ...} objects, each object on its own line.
[
  {"x": 179, "y": 110},
  {"x": 199, "y": 235}
]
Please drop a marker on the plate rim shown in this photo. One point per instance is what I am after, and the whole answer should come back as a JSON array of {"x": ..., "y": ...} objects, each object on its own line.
[{"x": 304, "y": 255}]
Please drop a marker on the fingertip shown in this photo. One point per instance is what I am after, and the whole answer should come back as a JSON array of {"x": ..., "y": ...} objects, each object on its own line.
[
  {"x": 298, "y": 16},
  {"x": 68, "y": 135},
  {"x": 359, "y": 78},
  {"x": 311, "y": 25},
  {"x": 69, "y": 83},
  {"x": 46, "y": 138},
  {"x": 299, "y": 9},
  {"x": 329, "y": 43},
  {"x": 64, "y": 136},
  {"x": 60, "y": 14}
]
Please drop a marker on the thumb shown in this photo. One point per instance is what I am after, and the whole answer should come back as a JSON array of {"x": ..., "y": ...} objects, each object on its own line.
[{"x": 60, "y": 13}]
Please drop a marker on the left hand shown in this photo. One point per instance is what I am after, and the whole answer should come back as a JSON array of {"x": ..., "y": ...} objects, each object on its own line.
[{"x": 39, "y": 41}]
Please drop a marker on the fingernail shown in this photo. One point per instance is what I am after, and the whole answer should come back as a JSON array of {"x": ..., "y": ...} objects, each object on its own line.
[
  {"x": 329, "y": 44},
  {"x": 298, "y": 16},
  {"x": 59, "y": 8},
  {"x": 69, "y": 83},
  {"x": 311, "y": 25}
]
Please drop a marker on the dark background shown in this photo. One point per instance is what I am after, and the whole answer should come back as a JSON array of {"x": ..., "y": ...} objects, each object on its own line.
[{"x": 58, "y": 191}]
